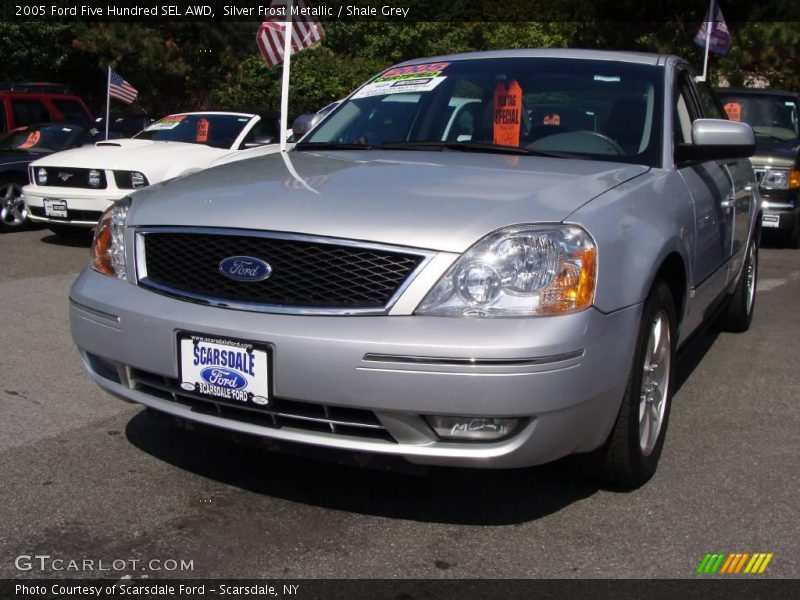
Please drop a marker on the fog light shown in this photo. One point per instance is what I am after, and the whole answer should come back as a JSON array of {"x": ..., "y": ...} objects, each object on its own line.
[
  {"x": 472, "y": 428},
  {"x": 41, "y": 176}
]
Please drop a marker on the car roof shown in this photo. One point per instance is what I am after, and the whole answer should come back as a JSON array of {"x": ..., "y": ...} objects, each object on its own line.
[
  {"x": 213, "y": 112},
  {"x": 573, "y": 53}
]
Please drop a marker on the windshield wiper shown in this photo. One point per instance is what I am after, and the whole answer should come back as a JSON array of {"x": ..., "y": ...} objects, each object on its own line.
[
  {"x": 334, "y": 146},
  {"x": 471, "y": 147}
]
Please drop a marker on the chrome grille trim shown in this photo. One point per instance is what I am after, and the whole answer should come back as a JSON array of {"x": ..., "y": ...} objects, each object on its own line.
[{"x": 141, "y": 270}]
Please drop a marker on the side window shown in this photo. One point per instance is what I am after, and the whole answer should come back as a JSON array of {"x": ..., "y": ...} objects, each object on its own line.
[
  {"x": 708, "y": 102},
  {"x": 72, "y": 110},
  {"x": 29, "y": 111},
  {"x": 686, "y": 110}
]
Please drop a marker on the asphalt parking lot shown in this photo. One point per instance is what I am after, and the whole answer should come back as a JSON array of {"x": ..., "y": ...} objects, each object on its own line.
[{"x": 87, "y": 476}]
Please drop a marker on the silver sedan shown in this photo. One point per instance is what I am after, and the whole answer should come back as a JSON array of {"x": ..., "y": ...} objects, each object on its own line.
[{"x": 478, "y": 260}]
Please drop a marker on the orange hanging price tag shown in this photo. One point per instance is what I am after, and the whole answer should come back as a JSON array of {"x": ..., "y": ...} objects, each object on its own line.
[
  {"x": 202, "y": 131},
  {"x": 507, "y": 113},
  {"x": 33, "y": 139},
  {"x": 734, "y": 111}
]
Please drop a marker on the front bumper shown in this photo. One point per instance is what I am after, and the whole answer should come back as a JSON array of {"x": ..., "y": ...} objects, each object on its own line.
[
  {"x": 568, "y": 388},
  {"x": 84, "y": 206},
  {"x": 780, "y": 210}
]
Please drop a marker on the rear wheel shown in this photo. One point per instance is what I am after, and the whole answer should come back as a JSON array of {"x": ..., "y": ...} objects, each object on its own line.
[
  {"x": 739, "y": 313},
  {"x": 630, "y": 456},
  {"x": 13, "y": 212}
]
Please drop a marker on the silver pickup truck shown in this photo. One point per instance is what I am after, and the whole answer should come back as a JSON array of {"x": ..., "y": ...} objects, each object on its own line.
[{"x": 479, "y": 260}]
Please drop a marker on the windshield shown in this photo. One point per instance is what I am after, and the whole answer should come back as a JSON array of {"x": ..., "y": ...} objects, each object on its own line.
[
  {"x": 564, "y": 107},
  {"x": 218, "y": 131},
  {"x": 774, "y": 116},
  {"x": 40, "y": 139}
]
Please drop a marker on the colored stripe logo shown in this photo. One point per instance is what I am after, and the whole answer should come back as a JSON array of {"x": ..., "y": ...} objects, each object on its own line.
[{"x": 734, "y": 563}]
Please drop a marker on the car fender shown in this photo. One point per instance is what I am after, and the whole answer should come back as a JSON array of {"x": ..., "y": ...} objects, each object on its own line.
[{"x": 637, "y": 226}]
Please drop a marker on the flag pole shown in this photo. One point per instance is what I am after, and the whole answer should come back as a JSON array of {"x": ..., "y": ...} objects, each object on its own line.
[
  {"x": 709, "y": 27},
  {"x": 287, "y": 53},
  {"x": 108, "y": 98}
]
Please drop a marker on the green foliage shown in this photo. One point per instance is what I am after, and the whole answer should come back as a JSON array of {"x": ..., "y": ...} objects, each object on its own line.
[{"x": 184, "y": 65}]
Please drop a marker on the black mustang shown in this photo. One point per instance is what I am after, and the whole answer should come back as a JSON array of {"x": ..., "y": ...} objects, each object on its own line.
[{"x": 22, "y": 146}]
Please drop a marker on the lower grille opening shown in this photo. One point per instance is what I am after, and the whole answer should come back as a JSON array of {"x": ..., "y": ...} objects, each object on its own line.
[{"x": 281, "y": 413}]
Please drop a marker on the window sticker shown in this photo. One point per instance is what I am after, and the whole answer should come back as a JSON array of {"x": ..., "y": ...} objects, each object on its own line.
[
  {"x": 507, "y": 113},
  {"x": 734, "y": 111},
  {"x": 412, "y": 72},
  {"x": 201, "y": 134},
  {"x": 170, "y": 122},
  {"x": 33, "y": 138},
  {"x": 399, "y": 86},
  {"x": 552, "y": 119}
]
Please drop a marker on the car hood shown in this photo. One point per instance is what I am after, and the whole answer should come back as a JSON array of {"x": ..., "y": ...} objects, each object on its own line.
[
  {"x": 18, "y": 157},
  {"x": 437, "y": 200},
  {"x": 774, "y": 153},
  {"x": 130, "y": 154}
]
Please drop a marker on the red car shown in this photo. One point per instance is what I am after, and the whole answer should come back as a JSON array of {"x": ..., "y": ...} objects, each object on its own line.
[{"x": 26, "y": 103}]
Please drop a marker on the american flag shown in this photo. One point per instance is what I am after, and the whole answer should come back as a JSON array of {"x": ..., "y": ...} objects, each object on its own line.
[
  {"x": 120, "y": 89},
  {"x": 306, "y": 31}
]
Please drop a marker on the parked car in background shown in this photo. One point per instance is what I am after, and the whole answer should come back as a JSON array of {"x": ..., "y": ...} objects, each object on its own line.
[
  {"x": 27, "y": 103},
  {"x": 18, "y": 149},
  {"x": 501, "y": 296},
  {"x": 775, "y": 118},
  {"x": 70, "y": 190}
]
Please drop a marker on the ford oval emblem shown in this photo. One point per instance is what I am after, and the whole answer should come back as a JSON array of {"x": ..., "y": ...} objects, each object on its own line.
[
  {"x": 245, "y": 268},
  {"x": 225, "y": 378}
]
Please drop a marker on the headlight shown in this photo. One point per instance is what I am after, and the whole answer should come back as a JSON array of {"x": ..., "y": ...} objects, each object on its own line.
[
  {"x": 525, "y": 270},
  {"x": 130, "y": 180},
  {"x": 108, "y": 246},
  {"x": 94, "y": 178},
  {"x": 781, "y": 179},
  {"x": 138, "y": 179},
  {"x": 41, "y": 176}
]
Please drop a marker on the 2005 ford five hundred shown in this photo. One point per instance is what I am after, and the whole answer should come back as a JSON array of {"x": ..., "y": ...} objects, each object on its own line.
[{"x": 479, "y": 260}]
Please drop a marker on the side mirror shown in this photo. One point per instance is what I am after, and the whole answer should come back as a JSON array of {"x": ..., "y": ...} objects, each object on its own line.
[
  {"x": 717, "y": 139},
  {"x": 305, "y": 123}
]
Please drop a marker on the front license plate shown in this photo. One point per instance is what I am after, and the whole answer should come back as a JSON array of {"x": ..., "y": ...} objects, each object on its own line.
[
  {"x": 234, "y": 371},
  {"x": 771, "y": 221},
  {"x": 55, "y": 208}
]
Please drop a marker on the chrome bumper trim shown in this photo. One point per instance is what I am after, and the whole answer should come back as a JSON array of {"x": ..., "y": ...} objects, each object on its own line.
[{"x": 477, "y": 362}]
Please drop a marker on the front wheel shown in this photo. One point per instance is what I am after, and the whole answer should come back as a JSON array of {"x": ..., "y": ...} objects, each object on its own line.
[
  {"x": 630, "y": 455},
  {"x": 13, "y": 212},
  {"x": 739, "y": 313}
]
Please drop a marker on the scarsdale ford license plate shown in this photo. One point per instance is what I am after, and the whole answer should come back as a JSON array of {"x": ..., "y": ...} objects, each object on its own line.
[{"x": 234, "y": 371}]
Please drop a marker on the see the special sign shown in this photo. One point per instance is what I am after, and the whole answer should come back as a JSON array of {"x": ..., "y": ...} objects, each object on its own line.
[{"x": 507, "y": 113}]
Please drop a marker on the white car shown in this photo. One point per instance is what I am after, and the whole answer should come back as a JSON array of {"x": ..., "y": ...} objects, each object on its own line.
[{"x": 71, "y": 189}]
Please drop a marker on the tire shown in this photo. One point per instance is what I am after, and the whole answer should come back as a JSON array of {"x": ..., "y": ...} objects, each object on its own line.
[
  {"x": 629, "y": 457},
  {"x": 738, "y": 314},
  {"x": 71, "y": 232},
  {"x": 13, "y": 212}
]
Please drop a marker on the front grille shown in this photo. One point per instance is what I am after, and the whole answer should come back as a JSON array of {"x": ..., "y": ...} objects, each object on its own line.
[
  {"x": 281, "y": 413},
  {"x": 306, "y": 274},
  {"x": 72, "y": 215},
  {"x": 72, "y": 178}
]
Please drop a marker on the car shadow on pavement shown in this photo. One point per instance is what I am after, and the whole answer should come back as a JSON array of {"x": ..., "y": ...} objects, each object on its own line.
[
  {"x": 76, "y": 241},
  {"x": 441, "y": 495},
  {"x": 692, "y": 353}
]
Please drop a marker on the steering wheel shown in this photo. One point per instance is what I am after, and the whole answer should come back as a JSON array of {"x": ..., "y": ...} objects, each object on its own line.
[{"x": 584, "y": 140}]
